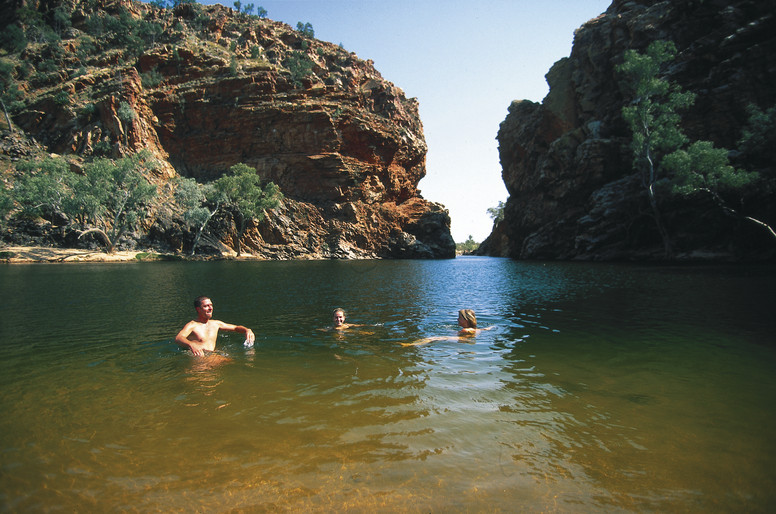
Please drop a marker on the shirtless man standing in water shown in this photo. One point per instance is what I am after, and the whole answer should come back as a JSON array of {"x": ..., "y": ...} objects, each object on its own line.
[{"x": 199, "y": 335}]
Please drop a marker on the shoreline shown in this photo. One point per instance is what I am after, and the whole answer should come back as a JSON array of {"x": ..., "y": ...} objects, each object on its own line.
[
  {"x": 42, "y": 254},
  {"x": 53, "y": 255}
]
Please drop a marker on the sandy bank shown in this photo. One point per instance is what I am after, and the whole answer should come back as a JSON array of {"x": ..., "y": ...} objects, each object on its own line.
[{"x": 23, "y": 254}]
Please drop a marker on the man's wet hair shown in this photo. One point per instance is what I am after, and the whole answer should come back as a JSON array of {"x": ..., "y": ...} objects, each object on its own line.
[{"x": 198, "y": 301}]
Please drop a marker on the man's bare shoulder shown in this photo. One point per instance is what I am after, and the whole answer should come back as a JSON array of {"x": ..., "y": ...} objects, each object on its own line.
[{"x": 190, "y": 325}]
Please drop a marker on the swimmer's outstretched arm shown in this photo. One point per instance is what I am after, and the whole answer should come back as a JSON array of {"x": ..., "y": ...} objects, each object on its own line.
[
  {"x": 249, "y": 336},
  {"x": 427, "y": 340}
]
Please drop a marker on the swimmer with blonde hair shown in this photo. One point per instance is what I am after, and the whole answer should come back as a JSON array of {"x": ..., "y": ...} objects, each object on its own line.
[{"x": 467, "y": 320}]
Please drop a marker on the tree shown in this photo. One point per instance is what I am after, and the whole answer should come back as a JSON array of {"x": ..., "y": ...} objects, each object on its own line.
[
  {"x": 703, "y": 169},
  {"x": 6, "y": 203},
  {"x": 127, "y": 115},
  {"x": 497, "y": 213},
  {"x": 305, "y": 28},
  {"x": 43, "y": 187},
  {"x": 107, "y": 199},
  {"x": 467, "y": 246},
  {"x": 192, "y": 196},
  {"x": 758, "y": 139},
  {"x": 661, "y": 149},
  {"x": 116, "y": 196},
  {"x": 653, "y": 118},
  {"x": 240, "y": 192}
]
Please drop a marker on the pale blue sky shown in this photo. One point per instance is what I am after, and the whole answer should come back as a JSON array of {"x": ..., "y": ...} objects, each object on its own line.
[{"x": 465, "y": 62}]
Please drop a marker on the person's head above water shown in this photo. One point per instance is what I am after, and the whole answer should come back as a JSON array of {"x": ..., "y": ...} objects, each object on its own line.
[
  {"x": 204, "y": 307},
  {"x": 467, "y": 319},
  {"x": 338, "y": 317}
]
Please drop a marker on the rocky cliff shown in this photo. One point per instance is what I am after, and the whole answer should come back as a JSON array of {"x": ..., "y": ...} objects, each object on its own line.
[
  {"x": 211, "y": 88},
  {"x": 566, "y": 162}
]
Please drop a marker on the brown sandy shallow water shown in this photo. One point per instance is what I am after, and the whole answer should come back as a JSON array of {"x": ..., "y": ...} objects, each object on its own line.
[{"x": 600, "y": 388}]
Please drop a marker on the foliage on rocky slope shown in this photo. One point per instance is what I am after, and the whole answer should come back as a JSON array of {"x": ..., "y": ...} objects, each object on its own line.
[
  {"x": 574, "y": 193},
  {"x": 204, "y": 88}
]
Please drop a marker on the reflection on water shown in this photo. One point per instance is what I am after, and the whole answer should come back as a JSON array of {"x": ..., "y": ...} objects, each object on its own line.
[{"x": 601, "y": 387}]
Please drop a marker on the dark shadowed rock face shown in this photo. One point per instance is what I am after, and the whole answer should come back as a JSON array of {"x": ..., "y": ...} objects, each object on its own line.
[
  {"x": 566, "y": 162},
  {"x": 345, "y": 146}
]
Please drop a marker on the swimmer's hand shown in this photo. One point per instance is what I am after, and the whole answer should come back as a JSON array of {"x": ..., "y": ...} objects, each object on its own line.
[
  {"x": 197, "y": 350},
  {"x": 249, "y": 338}
]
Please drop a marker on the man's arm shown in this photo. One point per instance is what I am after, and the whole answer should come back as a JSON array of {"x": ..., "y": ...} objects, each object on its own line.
[{"x": 238, "y": 328}]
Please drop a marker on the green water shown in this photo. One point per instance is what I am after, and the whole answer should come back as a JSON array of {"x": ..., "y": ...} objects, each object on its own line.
[{"x": 617, "y": 388}]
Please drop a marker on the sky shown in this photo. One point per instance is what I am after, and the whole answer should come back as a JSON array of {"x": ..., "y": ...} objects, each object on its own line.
[{"x": 465, "y": 62}]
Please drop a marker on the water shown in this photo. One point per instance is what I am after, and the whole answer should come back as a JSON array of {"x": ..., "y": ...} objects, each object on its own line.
[{"x": 617, "y": 388}]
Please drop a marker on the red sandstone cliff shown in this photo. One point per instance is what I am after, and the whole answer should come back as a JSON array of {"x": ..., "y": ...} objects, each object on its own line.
[
  {"x": 566, "y": 161},
  {"x": 345, "y": 146}
]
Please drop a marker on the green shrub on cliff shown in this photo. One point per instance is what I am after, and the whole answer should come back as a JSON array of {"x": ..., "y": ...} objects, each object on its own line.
[
  {"x": 13, "y": 39},
  {"x": 758, "y": 139},
  {"x": 300, "y": 67},
  {"x": 497, "y": 213},
  {"x": 306, "y": 29},
  {"x": 241, "y": 193},
  {"x": 663, "y": 154},
  {"x": 652, "y": 115},
  {"x": 6, "y": 203}
]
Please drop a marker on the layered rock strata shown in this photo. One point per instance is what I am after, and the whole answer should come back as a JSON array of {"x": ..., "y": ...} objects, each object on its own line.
[{"x": 345, "y": 146}]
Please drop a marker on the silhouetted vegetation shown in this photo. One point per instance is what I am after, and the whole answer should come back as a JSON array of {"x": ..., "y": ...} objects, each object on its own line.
[{"x": 662, "y": 153}]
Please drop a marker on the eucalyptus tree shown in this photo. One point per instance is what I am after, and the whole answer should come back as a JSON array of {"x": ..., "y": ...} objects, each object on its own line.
[
  {"x": 43, "y": 186},
  {"x": 6, "y": 203},
  {"x": 662, "y": 151},
  {"x": 193, "y": 198},
  {"x": 106, "y": 199},
  {"x": 116, "y": 196},
  {"x": 652, "y": 115},
  {"x": 240, "y": 192},
  {"x": 701, "y": 169}
]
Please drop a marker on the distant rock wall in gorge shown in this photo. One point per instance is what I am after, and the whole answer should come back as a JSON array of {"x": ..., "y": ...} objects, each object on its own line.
[
  {"x": 567, "y": 165},
  {"x": 211, "y": 88}
]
